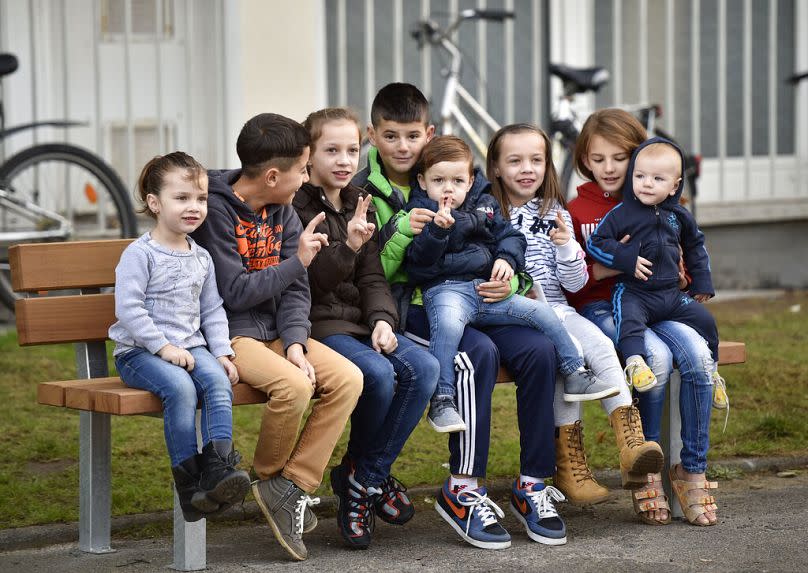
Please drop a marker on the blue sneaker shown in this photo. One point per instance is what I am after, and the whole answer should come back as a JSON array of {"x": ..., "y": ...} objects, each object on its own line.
[
  {"x": 473, "y": 516},
  {"x": 533, "y": 506}
]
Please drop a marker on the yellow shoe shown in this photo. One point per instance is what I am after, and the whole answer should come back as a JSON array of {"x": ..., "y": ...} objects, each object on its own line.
[
  {"x": 639, "y": 375},
  {"x": 720, "y": 398}
]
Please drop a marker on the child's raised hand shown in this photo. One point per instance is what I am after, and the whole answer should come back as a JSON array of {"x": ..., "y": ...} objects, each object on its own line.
[
  {"x": 561, "y": 234},
  {"x": 177, "y": 356},
  {"x": 310, "y": 243},
  {"x": 359, "y": 230},
  {"x": 229, "y": 369},
  {"x": 643, "y": 269},
  {"x": 419, "y": 217},
  {"x": 701, "y": 297},
  {"x": 502, "y": 271},
  {"x": 443, "y": 218}
]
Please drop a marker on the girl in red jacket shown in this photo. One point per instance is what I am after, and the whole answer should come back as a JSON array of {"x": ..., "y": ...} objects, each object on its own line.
[{"x": 602, "y": 155}]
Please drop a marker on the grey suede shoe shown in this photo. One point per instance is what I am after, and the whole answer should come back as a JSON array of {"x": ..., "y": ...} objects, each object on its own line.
[
  {"x": 443, "y": 415},
  {"x": 284, "y": 505},
  {"x": 583, "y": 385}
]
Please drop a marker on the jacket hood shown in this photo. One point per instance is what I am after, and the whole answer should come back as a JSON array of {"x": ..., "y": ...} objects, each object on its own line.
[
  {"x": 220, "y": 182},
  {"x": 628, "y": 184},
  {"x": 591, "y": 191},
  {"x": 479, "y": 186}
]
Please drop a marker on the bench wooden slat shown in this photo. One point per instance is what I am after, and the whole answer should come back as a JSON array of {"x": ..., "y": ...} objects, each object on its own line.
[
  {"x": 728, "y": 353},
  {"x": 111, "y": 396},
  {"x": 74, "y": 318},
  {"x": 61, "y": 266}
]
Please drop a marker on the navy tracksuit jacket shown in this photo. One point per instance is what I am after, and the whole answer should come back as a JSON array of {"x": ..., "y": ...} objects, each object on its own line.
[{"x": 656, "y": 232}]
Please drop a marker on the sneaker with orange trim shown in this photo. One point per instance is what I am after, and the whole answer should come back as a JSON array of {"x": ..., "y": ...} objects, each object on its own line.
[
  {"x": 533, "y": 504},
  {"x": 473, "y": 516}
]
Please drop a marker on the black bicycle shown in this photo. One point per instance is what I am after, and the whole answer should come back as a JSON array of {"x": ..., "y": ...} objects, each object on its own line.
[{"x": 56, "y": 192}]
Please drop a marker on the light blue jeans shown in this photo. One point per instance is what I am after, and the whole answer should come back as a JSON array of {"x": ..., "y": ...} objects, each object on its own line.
[
  {"x": 180, "y": 391},
  {"x": 668, "y": 343},
  {"x": 452, "y": 305}
]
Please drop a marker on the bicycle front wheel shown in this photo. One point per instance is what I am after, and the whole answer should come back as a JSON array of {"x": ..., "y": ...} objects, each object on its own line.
[{"x": 59, "y": 192}]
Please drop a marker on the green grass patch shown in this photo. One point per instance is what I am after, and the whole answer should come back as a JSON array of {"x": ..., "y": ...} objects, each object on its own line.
[{"x": 39, "y": 467}]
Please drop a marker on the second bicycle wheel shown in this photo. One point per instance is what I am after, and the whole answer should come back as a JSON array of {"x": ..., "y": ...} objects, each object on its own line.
[{"x": 63, "y": 188}]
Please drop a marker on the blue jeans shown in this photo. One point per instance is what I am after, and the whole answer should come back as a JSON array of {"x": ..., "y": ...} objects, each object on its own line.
[
  {"x": 180, "y": 391},
  {"x": 397, "y": 388},
  {"x": 667, "y": 343},
  {"x": 452, "y": 305}
]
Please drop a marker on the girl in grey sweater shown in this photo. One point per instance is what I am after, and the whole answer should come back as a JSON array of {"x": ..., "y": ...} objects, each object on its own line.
[{"x": 172, "y": 338}]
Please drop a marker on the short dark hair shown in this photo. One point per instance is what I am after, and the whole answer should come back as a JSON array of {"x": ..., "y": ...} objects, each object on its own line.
[
  {"x": 270, "y": 140},
  {"x": 400, "y": 102}
]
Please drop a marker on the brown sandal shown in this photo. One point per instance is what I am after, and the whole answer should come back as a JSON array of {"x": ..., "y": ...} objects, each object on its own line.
[
  {"x": 693, "y": 503},
  {"x": 647, "y": 499}
]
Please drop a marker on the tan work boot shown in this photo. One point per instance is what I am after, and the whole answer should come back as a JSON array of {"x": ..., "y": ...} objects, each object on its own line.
[
  {"x": 573, "y": 476},
  {"x": 638, "y": 458}
]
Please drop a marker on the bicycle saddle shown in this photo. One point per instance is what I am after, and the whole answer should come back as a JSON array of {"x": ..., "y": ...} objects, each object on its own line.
[
  {"x": 8, "y": 64},
  {"x": 580, "y": 80}
]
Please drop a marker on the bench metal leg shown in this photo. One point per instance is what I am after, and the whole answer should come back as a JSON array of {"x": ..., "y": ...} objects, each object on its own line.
[
  {"x": 190, "y": 539},
  {"x": 671, "y": 438},
  {"x": 95, "y": 503}
]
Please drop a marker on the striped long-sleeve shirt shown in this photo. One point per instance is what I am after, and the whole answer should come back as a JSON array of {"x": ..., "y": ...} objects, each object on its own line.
[{"x": 550, "y": 266}]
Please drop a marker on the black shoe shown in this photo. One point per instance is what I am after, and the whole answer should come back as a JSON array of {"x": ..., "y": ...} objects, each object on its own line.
[
  {"x": 355, "y": 517},
  {"x": 221, "y": 484},
  {"x": 186, "y": 480},
  {"x": 393, "y": 505}
]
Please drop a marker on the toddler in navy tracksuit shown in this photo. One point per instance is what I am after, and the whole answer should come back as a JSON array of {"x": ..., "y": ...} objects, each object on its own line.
[{"x": 660, "y": 232}]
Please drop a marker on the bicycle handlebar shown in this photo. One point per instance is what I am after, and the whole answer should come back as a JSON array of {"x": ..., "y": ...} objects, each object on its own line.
[
  {"x": 429, "y": 31},
  {"x": 493, "y": 15}
]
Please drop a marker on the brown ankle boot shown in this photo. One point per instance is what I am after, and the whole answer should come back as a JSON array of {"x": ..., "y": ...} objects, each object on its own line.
[
  {"x": 573, "y": 476},
  {"x": 638, "y": 458}
]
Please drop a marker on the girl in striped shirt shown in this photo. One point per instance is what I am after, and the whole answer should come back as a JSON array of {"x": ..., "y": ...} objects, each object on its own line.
[{"x": 524, "y": 182}]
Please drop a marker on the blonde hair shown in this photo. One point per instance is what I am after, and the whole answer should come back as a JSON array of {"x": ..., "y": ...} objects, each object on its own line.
[
  {"x": 661, "y": 149},
  {"x": 549, "y": 190},
  {"x": 154, "y": 173},
  {"x": 617, "y": 126}
]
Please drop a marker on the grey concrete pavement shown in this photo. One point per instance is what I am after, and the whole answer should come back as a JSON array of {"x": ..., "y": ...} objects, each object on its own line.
[{"x": 763, "y": 527}]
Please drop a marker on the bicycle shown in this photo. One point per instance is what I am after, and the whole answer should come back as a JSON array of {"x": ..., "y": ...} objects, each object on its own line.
[
  {"x": 451, "y": 116},
  {"x": 565, "y": 126},
  {"x": 56, "y": 192}
]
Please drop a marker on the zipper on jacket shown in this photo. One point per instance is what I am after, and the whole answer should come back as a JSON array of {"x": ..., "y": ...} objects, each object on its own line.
[{"x": 659, "y": 235}]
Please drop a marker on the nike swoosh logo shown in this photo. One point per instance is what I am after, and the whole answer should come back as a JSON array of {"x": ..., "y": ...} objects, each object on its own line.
[
  {"x": 460, "y": 512},
  {"x": 521, "y": 504}
]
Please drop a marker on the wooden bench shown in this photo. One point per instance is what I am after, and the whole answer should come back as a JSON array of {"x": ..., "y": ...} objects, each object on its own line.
[{"x": 84, "y": 319}]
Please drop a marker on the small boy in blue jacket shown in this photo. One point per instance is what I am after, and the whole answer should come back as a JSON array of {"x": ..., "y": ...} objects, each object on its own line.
[
  {"x": 468, "y": 242},
  {"x": 657, "y": 225}
]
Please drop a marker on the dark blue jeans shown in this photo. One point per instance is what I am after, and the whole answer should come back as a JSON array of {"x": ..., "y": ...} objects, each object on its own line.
[
  {"x": 397, "y": 388},
  {"x": 180, "y": 391}
]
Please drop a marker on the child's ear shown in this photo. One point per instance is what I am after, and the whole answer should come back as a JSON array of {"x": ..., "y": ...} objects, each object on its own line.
[
  {"x": 586, "y": 162},
  {"x": 371, "y": 135},
  {"x": 153, "y": 203},
  {"x": 676, "y": 186},
  {"x": 430, "y": 132},
  {"x": 271, "y": 176},
  {"x": 422, "y": 181}
]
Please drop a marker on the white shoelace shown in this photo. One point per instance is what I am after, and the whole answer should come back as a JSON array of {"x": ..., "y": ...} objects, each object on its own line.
[
  {"x": 485, "y": 508},
  {"x": 543, "y": 501},
  {"x": 302, "y": 503}
]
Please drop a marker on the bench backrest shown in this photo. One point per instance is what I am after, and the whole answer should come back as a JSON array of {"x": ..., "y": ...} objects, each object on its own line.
[{"x": 87, "y": 265}]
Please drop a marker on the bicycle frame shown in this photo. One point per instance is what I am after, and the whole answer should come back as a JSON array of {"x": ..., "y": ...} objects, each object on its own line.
[
  {"x": 451, "y": 111},
  {"x": 32, "y": 211}
]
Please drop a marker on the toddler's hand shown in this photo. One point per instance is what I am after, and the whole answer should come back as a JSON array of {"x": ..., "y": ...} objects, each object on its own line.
[
  {"x": 561, "y": 234},
  {"x": 229, "y": 369},
  {"x": 443, "y": 218},
  {"x": 502, "y": 271},
  {"x": 177, "y": 356},
  {"x": 383, "y": 338},
  {"x": 643, "y": 269},
  {"x": 419, "y": 217},
  {"x": 701, "y": 297}
]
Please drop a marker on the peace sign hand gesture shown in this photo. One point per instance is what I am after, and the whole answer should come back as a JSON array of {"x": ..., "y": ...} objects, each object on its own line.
[
  {"x": 561, "y": 234},
  {"x": 443, "y": 218},
  {"x": 359, "y": 230}
]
